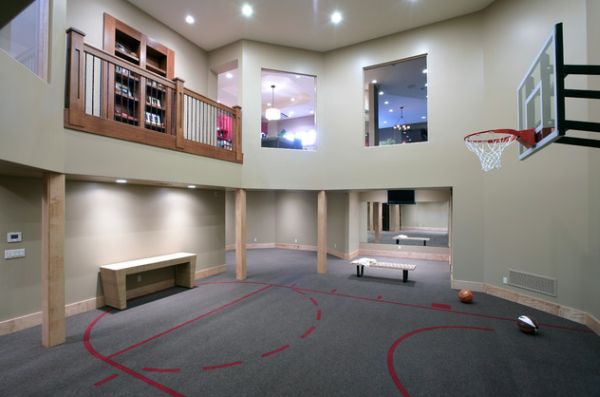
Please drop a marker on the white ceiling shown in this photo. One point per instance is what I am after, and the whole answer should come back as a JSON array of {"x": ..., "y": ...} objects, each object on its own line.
[{"x": 301, "y": 23}]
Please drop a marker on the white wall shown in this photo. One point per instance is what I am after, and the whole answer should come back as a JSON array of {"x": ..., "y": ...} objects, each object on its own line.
[{"x": 425, "y": 215}]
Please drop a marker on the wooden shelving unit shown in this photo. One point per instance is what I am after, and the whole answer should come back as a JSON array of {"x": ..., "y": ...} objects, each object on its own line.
[{"x": 125, "y": 87}]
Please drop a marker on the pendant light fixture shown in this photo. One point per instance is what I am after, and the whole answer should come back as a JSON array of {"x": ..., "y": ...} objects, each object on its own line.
[
  {"x": 272, "y": 113},
  {"x": 401, "y": 126}
]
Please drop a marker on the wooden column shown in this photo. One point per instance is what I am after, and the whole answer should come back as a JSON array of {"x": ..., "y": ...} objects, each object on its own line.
[
  {"x": 394, "y": 217},
  {"x": 240, "y": 234},
  {"x": 377, "y": 222},
  {"x": 322, "y": 232},
  {"x": 369, "y": 216},
  {"x": 53, "y": 264}
]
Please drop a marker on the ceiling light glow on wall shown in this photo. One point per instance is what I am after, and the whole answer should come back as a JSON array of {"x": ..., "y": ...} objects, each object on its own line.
[
  {"x": 190, "y": 19},
  {"x": 229, "y": 75},
  {"x": 191, "y": 186},
  {"x": 121, "y": 181},
  {"x": 247, "y": 10},
  {"x": 336, "y": 17},
  {"x": 374, "y": 81},
  {"x": 424, "y": 71}
]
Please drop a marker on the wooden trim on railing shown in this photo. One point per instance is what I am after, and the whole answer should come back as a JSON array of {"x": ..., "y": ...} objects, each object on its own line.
[
  {"x": 237, "y": 134},
  {"x": 102, "y": 123},
  {"x": 179, "y": 112},
  {"x": 209, "y": 101},
  {"x": 75, "y": 95}
]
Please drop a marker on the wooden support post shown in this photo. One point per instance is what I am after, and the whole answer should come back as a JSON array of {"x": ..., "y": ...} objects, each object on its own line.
[
  {"x": 240, "y": 234},
  {"x": 75, "y": 77},
  {"x": 394, "y": 217},
  {"x": 237, "y": 134},
  {"x": 179, "y": 112},
  {"x": 377, "y": 222},
  {"x": 53, "y": 264},
  {"x": 322, "y": 232}
]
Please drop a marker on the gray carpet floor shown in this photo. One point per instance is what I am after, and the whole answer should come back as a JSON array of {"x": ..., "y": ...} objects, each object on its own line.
[{"x": 288, "y": 331}]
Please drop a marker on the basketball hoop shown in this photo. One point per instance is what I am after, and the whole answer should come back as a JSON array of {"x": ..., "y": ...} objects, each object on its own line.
[{"x": 488, "y": 145}]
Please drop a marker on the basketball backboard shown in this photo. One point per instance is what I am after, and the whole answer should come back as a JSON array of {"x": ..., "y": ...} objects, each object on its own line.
[{"x": 540, "y": 95}]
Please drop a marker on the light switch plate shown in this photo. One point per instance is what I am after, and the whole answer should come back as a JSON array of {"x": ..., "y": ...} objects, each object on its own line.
[{"x": 14, "y": 237}]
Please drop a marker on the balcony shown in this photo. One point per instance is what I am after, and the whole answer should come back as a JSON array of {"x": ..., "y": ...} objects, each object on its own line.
[{"x": 106, "y": 95}]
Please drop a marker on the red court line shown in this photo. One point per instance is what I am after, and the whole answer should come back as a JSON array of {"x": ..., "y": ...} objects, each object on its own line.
[
  {"x": 379, "y": 297},
  {"x": 318, "y": 315},
  {"x": 296, "y": 290},
  {"x": 333, "y": 290},
  {"x": 121, "y": 367},
  {"x": 136, "y": 345},
  {"x": 308, "y": 332},
  {"x": 299, "y": 290},
  {"x": 314, "y": 301},
  {"x": 105, "y": 380},
  {"x": 162, "y": 370},
  {"x": 390, "y": 353},
  {"x": 279, "y": 350},
  {"x": 442, "y": 306},
  {"x": 212, "y": 367}
]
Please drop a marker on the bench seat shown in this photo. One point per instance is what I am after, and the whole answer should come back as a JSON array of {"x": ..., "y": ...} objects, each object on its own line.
[
  {"x": 114, "y": 275},
  {"x": 361, "y": 263}
]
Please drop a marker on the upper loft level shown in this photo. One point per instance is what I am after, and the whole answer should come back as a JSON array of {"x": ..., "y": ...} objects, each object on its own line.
[{"x": 128, "y": 91}]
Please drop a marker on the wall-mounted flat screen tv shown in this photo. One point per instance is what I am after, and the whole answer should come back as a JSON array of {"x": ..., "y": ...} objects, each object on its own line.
[{"x": 401, "y": 197}]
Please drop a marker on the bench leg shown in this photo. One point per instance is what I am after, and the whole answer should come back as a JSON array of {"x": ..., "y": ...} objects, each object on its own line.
[
  {"x": 362, "y": 270},
  {"x": 404, "y": 275},
  {"x": 397, "y": 241}
]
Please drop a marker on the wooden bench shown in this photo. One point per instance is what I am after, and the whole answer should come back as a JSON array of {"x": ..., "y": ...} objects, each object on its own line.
[
  {"x": 369, "y": 262},
  {"x": 114, "y": 275},
  {"x": 405, "y": 237}
]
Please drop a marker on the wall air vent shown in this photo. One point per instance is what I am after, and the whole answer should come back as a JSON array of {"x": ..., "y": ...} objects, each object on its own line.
[{"x": 532, "y": 282}]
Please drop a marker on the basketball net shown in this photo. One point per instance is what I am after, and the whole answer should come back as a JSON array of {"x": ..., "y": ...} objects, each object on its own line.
[{"x": 488, "y": 146}]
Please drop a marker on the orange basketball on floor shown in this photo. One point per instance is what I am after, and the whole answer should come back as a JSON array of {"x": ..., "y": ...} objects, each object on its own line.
[{"x": 465, "y": 295}]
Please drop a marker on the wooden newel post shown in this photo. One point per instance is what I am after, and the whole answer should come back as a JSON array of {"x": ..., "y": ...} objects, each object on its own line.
[
  {"x": 75, "y": 77},
  {"x": 179, "y": 112},
  {"x": 237, "y": 143}
]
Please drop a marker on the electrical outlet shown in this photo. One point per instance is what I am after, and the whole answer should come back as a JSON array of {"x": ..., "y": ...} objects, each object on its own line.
[
  {"x": 505, "y": 280},
  {"x": 255, "y": 239},
  {"x": 16, "y": 253},
  {"x": 334, "y": 245},
  {"x": 295, "y": 240},
  {"x": 139, "y": 278}
]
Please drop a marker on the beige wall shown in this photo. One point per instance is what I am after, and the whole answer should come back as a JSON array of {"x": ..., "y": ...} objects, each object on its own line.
[
  {"x": 337, "y": 220},
  {"x": 425, "y": 215},
  {"x": 105, "y": 223},
  {"x": 20, "y": 211},
  {"x": 261, "y": 219}
]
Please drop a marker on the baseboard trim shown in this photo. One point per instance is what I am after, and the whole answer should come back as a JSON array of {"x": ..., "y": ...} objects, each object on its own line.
[
  {"x": 254, "y": 246},
  {"x": 230, "y": 247},
  {"x": 211, "y": 271},
  {"x": 299, "y": 247},
  {"x": 579, "y": 316}
]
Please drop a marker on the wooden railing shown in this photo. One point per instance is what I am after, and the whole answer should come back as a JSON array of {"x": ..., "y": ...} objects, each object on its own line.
[{"x": 108, "y": 96}]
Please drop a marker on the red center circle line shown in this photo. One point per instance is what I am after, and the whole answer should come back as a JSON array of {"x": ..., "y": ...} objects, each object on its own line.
[{"x": 392, "y": 349}]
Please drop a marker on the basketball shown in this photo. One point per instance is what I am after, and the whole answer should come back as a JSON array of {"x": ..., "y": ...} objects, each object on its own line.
[
  {"x": 465, "y": 295},
  {"x": 527, "y": 325}
]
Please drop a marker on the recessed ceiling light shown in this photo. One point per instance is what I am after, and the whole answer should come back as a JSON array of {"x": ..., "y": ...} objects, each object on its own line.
[
  {"x": 247, "y": 10},
  {"x": 425, "y": 84},
  {"x": 121, "y": 181},
  {"x": 293, "y": 99},
  {"x": 298, "y": 76},
  {"x": 191, "y": 186},
  {"x": 229, "y": 75},
  {"x": 424, "y": 71},
  {"x": 384, "y": 121},
  {"x": 291, "y": 112},
  {"x": 312, "y": 112},
  {"x": 391, "y": 110},
  {"x": 336, "y": 17},
  {"x": 386, "y": 103},
  {"x": 190, "y": 19},
  {"x": 380, "y": 92},
  {"x": 269, "y": 104},
  {"x": 374, "y": 81}
]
